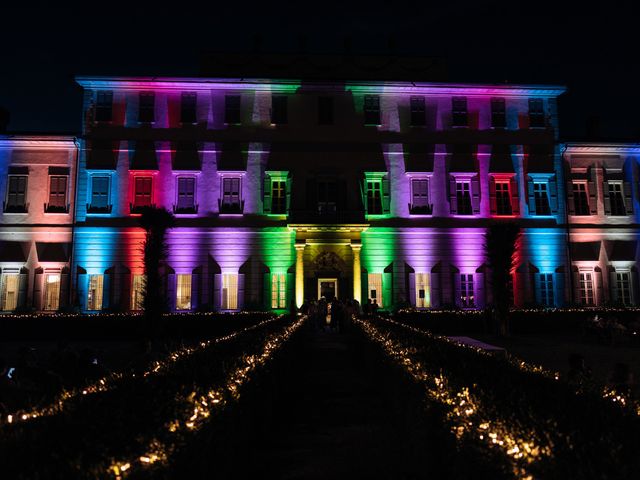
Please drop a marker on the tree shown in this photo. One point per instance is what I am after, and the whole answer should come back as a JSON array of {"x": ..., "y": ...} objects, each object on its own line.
[
  {"x": 501, "y": 240},
  {"x": 156, "y": 222}
]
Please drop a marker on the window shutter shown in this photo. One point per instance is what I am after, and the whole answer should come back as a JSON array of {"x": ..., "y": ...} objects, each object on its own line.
[
  {"x": 81, "y": 289},
  {"x": 240, "y": 291},
  {"x": 125, "y": 287},
  {"x": 288, "y": 193},
  {"x": 558, "y": 289},
  {"x": 385, "y": 195},
  {"x": 478, "y": 289},
  {"x": 515, "y": 198},
  {"x": 553, "y": 194},
  {"x": 37, "y": 290},
  {"x": 217, "y": 291},
  {"x": 597, "y": 278},
  {"x": 171, "y": 291},
  {"x": 291, "y": 282},
  {"x": 492, "y": 195},
  {"x": 22, "y": 288},
  {"x": 531, "y": 197},
  {"x": 613, "y": 286},
  {"x": 196, "y": 282},
  {"x": 455, "y": 273},
  {"x": 107, "y": 288},
  {"x": 387, "y": 290},
  {"x": 628, "y": 197},
  {"x": 436, "y": 289},
  {"x": 266, "y": 291},
  {"x": 475, "y": 194},
  {"x": 453, "y": 199},
  {"x": 266, "y": 197},
  {"x": 2, "y": 291},
  {"x": 363, "y": 196},
  {"x": 593, "y": 202},
  {"x": 570, "y": 199},
  {"x": 364, "y": 281},
  {"x": 607, "y": 200},
  {"x": 64, "y": 289},
  {"x": 412, "y": 289}
]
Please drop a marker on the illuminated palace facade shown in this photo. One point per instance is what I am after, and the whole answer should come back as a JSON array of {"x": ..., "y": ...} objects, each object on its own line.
[{"x": 287, "y": 191}]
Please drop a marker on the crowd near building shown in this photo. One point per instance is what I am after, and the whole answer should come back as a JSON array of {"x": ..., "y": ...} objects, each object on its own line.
[{"x": 287, "y": 191}]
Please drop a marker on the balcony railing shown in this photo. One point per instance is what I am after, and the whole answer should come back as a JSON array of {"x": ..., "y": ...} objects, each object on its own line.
[
  {"x": 11, "y": 208},
  {"x": 99, "y": 209},
  {"x": 421, "y": 209},
  {"x": 193, "y": 209},
  {"x": 337, "y": 217},
  {"x": 48, "y": 208},
  {"x": 136, "y": 209},
  {"x": 235, "y": 208}
]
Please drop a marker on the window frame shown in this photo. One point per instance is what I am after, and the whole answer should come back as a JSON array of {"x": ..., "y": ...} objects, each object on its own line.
[
  {"x": 103, "y": 107},
  {"x": 427, "y": 207},
  {"x": 621, "y": 202},
  {"x": 18, "y": 207},
  {"x": 417, "y": 111},
  {"x": 459, "y": 114},
  {"x": 467, "y": 290},
  {"x": 228, "y": 302},
  {"x": 422, "y": 279},
  {"x": 536, "y": 118},
  {"x": 135, "y": 195},
  {"x": 137, "y": 289},
  {"x": 460, "y": 196},
  {"x": 371, "y": 110},
  {"x": 500, "y": 194},
  {"x": 547, "y": 289},
  {"x": 4, "y": 291},
  {"x": 91, "y": 301},
  {"x": 188, "y": 116},
  {"x": 376, "y": 280},
  {"x": 91, "y": 209},
  {"x": 537, "y": 197},
  {"x": 282, "y": 182},
  {"x": 576, "y": 195},
  {"x": 586, "y": 287},
  {"x": 229, "y": 112},
  {"x": 147, "y": 107},
  {"x": 184, "y": 280},
  {"x": 278, "y": 291},
  {"x": 64, "y": 208},
  {"x": 193, "y": 208},
  {"x": 621, "y": 297},
  {"x": 497, "y": 114}
]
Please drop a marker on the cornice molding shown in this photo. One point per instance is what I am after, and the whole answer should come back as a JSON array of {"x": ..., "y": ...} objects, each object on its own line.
[
  {"x": 601, "y": 148},
  {"x": 37, "y": 142}
]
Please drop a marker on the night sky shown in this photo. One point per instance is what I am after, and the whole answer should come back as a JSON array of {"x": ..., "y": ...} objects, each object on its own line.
[{"x": 592, "y": 51}]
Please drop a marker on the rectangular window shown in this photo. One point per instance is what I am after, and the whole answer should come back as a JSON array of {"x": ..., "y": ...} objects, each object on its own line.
[
  {"x": 279, "y": 290},
  {"x": 188, "y": 107},
  {"x": 183, "y": 291},
  {"x": 94, "y": 292},
  {"x": 278, "y": 196},
  {"x": 374, "y": 197},
  {"x": 57, "y": 194},
  {"x": 186, "y": 195},
  {"x": 498, "y": 113},
  {"x": 327, "y": 197},
  {"x": 467, "y": 299},
  {"x": 99, "y": 194},
  {"x": 372, "y": 110},
  {"x": 616, "y": 199},
  {"x": 463, "y": 197},
  {"x": 623, "y": 287},
  {"x": 104, "y": 106},
  {"x": 541, "y": 198},
  {"x": 279, "y": 109},
  {"x": 459, "y": 116},
  {"x": 418, "y": 113},
  {"x": 325, "y": 111},
  {"x": 580, "y": 199},
  {"x": 137, "y": 292},
  {"x": 229, "y": 291},
  {"x": 375, "y": 288},
  {"x": 231, "y": 193},
  {"x": 52, "y": 291},
  {"x": 503, "y": 198},
  {"x": 142, "y": 193},
  {"x": 536, "y": 113},
  {"x": 586, "y": 289},
  {"x": 423, "y": 290},
  {"x": 146, "y": 109},
  {"x": 420, "y": 196},
  {"x": 10, "y": 286},
  {"x": 232, "y": 109},
  {"x": 17, "y": 194},
  {"x": 546, "y": 289}
]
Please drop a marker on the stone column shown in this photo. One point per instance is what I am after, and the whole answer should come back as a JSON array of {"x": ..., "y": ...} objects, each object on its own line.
[
  {"x": 299, "y": 274},
  {"x": 357, "y": 282}
]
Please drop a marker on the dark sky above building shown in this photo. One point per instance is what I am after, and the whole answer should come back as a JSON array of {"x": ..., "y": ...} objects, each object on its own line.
[{"x": 591, "y": 50}]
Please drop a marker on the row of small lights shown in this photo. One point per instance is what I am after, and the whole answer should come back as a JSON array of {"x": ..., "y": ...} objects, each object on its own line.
[
  {"x": 111, "y": 381},
  {"x": 465, "y": 412},
  {"x": 201, "y": 405},
  {"x": 475, "y": 312},
  {"x": 133, "y": 313}
]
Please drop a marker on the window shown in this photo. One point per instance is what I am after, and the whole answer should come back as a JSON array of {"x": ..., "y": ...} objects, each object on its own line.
[
  {"x": 278, "y": 109},
  {"x": 104, "y": 106},
  {"x": 10, "y": 286},
  {"x": 183, "y": 291},
  {"x": 423, "y": 290},
  {"x": 498, "y": 113},
  {"x": 325, "y": 111},
  {"x": 374, "y": 197},
  {"x": 586, "y": 289},
  {"x": 327, "y": 195},
  {"x": 279, "y": 290},
  {"x": 94, "y": 292},
  {"x": 541, "y": 198},
  {"x": 375, "y": 288},
  {"x": 99, "y": 195},
  {"x": 467, "y": 299},
  {"x": 503, "y": 198},
  {"x": 546, "y": 289},
  {"x": 188, "y": 107},
  {"x": 146, "y": 109},
  {"x": 52, "y": 291},
  {"x": 229, "y": 291},
  {"x": 616, "y": 199},
  {"x": 536, "y": 113},
  {"x": 17, "y": 194},
  {"x": 230, "y": 195},
  {"x": 232, "y": 109},
  {"x": 459, "y": 117},
  {"x": 186, "y": 195},
  {"x": 420, "y": 196},
  {"x": 137, "y": 292},
  {"x": 371, "y": 110},
  {"x": 278, "y": 196},
  {"x": 463, "y": 197},
  {"x": 623, "y": 287},
  {"x": 57, "y": 194},
  {"x": 418, "y": 117},
  {"x": 142, "y": 192},
  {"x": 580, "y": 199}
]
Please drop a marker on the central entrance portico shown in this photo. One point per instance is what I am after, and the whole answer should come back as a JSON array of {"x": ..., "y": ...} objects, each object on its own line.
[{"x": 327, "y": 288}]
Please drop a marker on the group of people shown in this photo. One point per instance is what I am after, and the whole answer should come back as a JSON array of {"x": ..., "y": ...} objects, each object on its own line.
[{"x": 332, "y": 315}]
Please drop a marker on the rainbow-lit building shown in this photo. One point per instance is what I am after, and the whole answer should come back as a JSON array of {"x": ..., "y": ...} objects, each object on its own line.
[{"x": 286, "y": 191}]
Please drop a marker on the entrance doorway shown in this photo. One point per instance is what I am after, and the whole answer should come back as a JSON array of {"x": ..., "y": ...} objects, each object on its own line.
[{"x": 327, "y": 288}]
